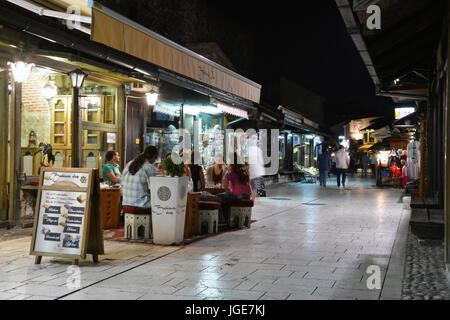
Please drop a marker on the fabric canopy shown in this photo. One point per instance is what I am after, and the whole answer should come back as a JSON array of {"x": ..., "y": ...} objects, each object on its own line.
[{"x": 118, "y": 32}]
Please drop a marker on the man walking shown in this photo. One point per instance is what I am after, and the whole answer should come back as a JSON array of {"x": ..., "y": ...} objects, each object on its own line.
[
  {"x": 365, "y": 164},
  {"x": 342, "y": 163},
  {"x": 324, "y": 167}
]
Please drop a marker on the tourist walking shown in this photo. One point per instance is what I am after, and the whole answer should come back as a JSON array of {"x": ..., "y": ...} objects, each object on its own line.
[
  {"x": 342, "y": 165},
  {"x": 324, "y": 167},
  {"x": 365, "y": 164}
]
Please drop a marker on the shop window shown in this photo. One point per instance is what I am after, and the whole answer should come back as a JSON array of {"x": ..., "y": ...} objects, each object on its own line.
[
  {"x": 95, "y": 144},
  {"x": 46, "y": 111},
  {"x": 98, "y": 103}
]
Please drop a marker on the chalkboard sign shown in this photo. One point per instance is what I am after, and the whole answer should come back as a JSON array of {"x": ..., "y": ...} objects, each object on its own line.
[{"x": 67, "y": 222}]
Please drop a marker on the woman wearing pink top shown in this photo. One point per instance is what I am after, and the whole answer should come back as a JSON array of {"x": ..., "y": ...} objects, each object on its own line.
[{"x": 236, "y": 183}]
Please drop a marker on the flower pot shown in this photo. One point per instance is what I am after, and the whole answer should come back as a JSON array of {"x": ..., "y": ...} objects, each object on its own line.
[{"x": 168, "y": 198}]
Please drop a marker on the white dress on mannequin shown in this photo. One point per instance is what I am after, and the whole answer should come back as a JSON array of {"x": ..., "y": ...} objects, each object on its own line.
[{"x": 413, "y": 164}]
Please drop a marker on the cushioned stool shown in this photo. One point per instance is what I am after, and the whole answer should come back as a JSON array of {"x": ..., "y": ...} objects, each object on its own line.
[
  {"x": 136, "y": 221},
  {"x": 240, "y": 213},
  {"x": 208, "y": 212}
]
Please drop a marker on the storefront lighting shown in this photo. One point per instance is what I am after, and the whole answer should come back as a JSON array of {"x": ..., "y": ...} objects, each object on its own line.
[
  {"x": 21, "y": 70},
  {"x": 49, "y": 91},
  {"x": 152, "y": 98},
  {"x": 77, "y": 78}
]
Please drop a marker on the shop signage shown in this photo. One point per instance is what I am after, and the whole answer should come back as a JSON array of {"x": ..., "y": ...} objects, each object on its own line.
[
  {"x": 111, "y": 138},
  {"x": 169, "y": 199},
  {"x": 400, "y": 113},
  {"x": 67, "y": 219}
]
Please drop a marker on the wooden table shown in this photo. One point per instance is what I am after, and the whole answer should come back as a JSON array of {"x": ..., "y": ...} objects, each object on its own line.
[
  {"x": 110, "y": 207},
  {"x": 214, "y": 190}
]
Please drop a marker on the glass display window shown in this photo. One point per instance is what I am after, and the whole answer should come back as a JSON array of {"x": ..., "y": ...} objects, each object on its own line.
[
  {"x": 99, "y": 103},
  {"x": 95, "y": 146},
  {"x": 47, "y": 99}
]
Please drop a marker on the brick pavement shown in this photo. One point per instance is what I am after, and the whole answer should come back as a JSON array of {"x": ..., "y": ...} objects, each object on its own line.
[{"x": 316, "y": 245}]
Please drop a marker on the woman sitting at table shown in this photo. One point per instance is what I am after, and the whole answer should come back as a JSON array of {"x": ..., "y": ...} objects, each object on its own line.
[
  {"x": 236, "y": 183},
  {"x": 136, "y": 180},
  {"x": 215, "y": 173},
  {"x": 197, "y": 175}
]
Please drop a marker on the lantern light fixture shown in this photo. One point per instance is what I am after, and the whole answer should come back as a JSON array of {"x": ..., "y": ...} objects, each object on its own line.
[
  {"x": 21, "y": 70},
  {"x": 152, "y": 98},
  {"x": 49, "y": 91},
  {"x": 77, "y": 78}
]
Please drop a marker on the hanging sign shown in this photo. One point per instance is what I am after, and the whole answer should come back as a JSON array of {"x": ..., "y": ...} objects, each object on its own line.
[{"x": 67, "y": 220}]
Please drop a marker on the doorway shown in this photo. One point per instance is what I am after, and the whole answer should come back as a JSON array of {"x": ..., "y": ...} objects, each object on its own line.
[{"x": 135, "y": 129}]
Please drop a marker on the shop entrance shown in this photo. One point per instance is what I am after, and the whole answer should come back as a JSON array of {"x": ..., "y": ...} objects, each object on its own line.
[{"x": 135, "y": 129}]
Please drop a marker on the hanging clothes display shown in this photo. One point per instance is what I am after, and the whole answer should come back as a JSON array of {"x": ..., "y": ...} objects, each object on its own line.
[{"x": 413, "y": 163}]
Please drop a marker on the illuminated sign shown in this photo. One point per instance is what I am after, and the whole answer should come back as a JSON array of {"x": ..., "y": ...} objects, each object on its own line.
[{"x": 400, "y": 113}]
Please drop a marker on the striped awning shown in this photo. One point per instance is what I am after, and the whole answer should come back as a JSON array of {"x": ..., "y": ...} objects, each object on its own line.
[{"x": 233, "y": 111}]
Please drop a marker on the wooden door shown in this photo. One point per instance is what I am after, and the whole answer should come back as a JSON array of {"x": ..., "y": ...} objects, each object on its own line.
[{"x": 135, "y": 130}]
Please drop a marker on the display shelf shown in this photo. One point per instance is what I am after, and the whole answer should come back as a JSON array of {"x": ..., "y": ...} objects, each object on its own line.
[{"x": 60, "y": 124}]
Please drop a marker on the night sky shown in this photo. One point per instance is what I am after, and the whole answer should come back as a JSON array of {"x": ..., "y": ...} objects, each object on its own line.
[
  {"x": 303, "y": 41},
  {"x": 307, "y": 42}
]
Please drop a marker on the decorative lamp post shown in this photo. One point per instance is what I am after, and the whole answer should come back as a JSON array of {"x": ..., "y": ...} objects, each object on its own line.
[{"x": 77, "y": 78}]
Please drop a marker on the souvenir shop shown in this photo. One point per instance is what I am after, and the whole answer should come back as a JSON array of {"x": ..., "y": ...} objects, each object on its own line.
[
  {"x": 399, "y": 163},
  {"x": 204, "y": 118}
]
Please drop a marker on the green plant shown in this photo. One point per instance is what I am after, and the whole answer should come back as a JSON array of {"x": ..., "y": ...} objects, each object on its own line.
[{"x": 172, "y": 169}]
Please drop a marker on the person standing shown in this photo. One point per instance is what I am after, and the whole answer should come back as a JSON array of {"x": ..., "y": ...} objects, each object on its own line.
[
  {"x": 111, "y": 170},
  {"x": 342, "y": 164},
  {"x": 373, "y": 162},
  {"x": 324, "y": 167},
  {"x": 197, "y": 175},
  {"x": 365, "y": 164},
  {"x": 256, "y": 167}
]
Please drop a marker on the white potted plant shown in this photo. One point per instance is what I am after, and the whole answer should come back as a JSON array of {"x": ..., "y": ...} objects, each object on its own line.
[{"x": 169, "y": 198}]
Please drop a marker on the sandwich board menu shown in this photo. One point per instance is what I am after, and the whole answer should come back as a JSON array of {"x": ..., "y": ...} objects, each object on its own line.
[{"x": 67, "y": 220}]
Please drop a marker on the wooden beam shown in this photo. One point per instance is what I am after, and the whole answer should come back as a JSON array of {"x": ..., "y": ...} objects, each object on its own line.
[
  {"x": 404, "y": 30},
  {"x": 427, "y": 40}
]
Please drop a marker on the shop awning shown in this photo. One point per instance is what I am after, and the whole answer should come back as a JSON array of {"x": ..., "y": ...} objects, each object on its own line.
[
  {"x": 125, "y": 35},
  {"x": 366, "y": 146},
  {"x": 233, "y": 111}
]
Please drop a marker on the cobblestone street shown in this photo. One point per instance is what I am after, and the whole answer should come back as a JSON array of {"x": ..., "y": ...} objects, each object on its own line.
[{"x": 424, "y": 274}]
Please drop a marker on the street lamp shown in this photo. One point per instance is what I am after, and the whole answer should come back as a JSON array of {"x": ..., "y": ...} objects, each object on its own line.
[
  {"x": 21, "y": 70},
  {"x": 152, "y": 98},
  {"x": 77, "y": 78}
]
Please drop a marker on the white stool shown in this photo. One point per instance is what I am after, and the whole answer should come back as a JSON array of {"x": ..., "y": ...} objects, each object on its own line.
[
  {"x": 211, "y": 217},
  {"x": 133, "y": 222},
  {"x": 243, "y": 216}
]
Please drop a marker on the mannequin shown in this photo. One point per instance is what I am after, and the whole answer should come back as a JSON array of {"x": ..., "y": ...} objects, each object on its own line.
[{"x": 413, "y": 163}]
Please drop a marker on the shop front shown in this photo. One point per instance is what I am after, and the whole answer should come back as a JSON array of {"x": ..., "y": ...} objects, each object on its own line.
[
  {"x": 41, "y": 129},
  {"x": 391, "y": 162},
  {"x": 57, "y": 120},
  {"x": 301, "y": 143}
]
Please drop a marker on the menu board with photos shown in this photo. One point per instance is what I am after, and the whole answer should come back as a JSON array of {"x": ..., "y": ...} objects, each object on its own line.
[{"x": 65, "y": 212}]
